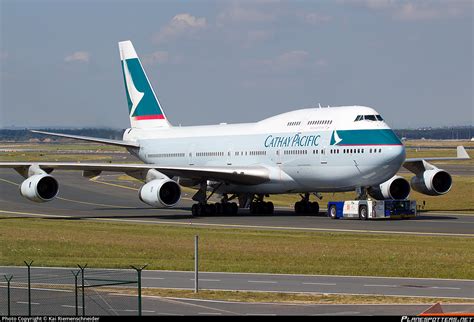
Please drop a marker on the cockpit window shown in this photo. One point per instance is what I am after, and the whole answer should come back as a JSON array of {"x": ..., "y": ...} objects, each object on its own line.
[{"x": 370, "y": 117}]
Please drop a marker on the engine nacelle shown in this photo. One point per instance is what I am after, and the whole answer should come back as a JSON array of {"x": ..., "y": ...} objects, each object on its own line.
[
  {"x": 39, "y": 188},
  {"x": 395, "y": 188},
  {"x": 433, "y": 182},
  {"x": 160, "y": 193}
]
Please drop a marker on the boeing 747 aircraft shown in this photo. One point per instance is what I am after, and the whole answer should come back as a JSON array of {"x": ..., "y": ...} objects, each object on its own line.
[{"x": 307, "y": 151}]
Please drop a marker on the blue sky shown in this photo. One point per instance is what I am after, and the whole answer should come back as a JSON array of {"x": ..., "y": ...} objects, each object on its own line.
[{"x": 237, "y": 61}]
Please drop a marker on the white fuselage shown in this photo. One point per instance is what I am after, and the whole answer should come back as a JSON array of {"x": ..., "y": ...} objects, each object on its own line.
[{"x": 309, "y": 150}]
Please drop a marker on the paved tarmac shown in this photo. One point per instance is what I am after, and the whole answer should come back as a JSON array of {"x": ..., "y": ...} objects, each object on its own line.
[
  {"x": 283, "y": 283},
  {"x": 109, "y": 199},
  {"x": 62, "y": 302}
]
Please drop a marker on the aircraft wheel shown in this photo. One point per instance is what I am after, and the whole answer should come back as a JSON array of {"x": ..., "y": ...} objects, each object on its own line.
[
  {"x": 219, "y": 208},
  {"x": 253, "y": 208},
  {"x": 298, "y": 207},
  {"x": 270, "y": 208},
  {"x": 212, "y": 209},
  {"x": 314, "y": 208},
  {"x": 234, "y": 208},
  {"x": 194, "y": 210}
]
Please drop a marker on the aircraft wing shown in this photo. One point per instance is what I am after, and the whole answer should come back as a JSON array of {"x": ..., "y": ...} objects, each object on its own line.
[
  {"x": 249, "y": 175},
  {"x": 417, "y": 165},
  {"x": 126, "y": 144}
]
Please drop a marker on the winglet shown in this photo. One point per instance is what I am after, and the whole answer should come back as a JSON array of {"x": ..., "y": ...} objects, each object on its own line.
[{"x": 461, "y": 153}]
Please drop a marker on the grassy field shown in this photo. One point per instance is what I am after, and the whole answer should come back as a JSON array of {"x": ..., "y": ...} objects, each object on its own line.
[
  {"x": 54, "y": 242},
  {"x": 426, "y": 153},
  {"x": 439, "y": 143}
]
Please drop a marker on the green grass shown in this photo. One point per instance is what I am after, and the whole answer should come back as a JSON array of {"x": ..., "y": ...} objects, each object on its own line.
[
  {"x": 438, "y": 143},
  {"x": 426, "y": 153},
  {"x": 53, "y": 242}
]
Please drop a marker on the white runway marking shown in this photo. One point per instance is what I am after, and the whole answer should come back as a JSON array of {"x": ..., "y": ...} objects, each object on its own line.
[{"x": 265, "y": 282}]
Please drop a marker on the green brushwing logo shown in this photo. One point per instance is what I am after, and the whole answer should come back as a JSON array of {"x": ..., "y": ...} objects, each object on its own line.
[{"x": 140, "y": 97}]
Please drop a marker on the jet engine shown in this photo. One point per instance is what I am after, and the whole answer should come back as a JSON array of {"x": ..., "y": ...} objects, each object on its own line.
[
  {"x": 39, "y": 188},
  {"x": 433, "y": 182},
  {"x": 160, "y": 193},
  {"x": 395, "y": 188}
]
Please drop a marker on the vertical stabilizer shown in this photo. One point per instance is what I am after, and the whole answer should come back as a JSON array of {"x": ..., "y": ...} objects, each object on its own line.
[{"x": 143, "y": 106}]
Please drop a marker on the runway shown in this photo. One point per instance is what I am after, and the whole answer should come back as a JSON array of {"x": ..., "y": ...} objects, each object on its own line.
[
  {"x": 60, "y": 302},
  {"x": 50, "y": 294},
  {"x": 108, "y": 199},
  {"x": 253, "y": 282},
  {"x": 111, "y": 200}
]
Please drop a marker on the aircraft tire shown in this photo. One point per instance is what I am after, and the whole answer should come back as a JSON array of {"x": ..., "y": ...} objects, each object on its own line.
[{"x": 270, "y": 208}]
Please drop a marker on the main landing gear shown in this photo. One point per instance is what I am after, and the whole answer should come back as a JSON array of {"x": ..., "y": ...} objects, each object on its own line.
[
  {"x": 203, "y": 208},
  {"x": 305, "y": 206},
  {"x": 219, "y": 208},
  {"x": 260, "y": 207}
]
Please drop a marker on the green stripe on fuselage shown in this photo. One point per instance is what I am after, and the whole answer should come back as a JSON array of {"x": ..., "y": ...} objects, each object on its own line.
[{"x": 364, "y": 137}]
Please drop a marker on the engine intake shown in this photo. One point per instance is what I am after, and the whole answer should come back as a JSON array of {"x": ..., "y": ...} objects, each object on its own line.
[
  {"x": 160, "y": 193},
  {"x": 432, "y": 182},
  {"x": 396, "y": 188},
  {"x": 39, "y": 188}
]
